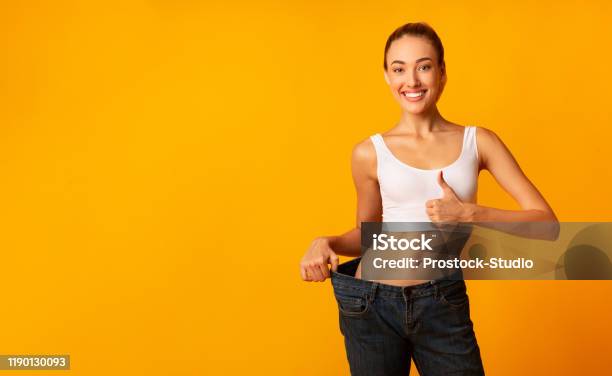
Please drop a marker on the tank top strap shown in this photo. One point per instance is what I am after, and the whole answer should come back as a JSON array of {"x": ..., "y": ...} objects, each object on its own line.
[
  {"x": 379, "y": 145},
  {"x": 469, "y": 141}
]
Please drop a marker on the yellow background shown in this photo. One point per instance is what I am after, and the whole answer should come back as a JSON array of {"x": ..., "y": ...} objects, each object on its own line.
[{"x": 165, "y": 165}]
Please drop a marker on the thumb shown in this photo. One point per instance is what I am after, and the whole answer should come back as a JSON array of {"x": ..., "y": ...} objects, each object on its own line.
[
  {"x": 333, "y": 259},
  {"x": 444, "y": 185}
]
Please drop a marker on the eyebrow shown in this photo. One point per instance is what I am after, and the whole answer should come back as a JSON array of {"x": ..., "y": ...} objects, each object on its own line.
[{"x": 416, "y": 61}]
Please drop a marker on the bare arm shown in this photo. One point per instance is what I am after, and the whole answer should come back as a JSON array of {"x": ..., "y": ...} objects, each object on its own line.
[
  {"x": 369, "y": 202},
  {"x": 497, "y": 159},
  {"x": 323, "y": 250}
]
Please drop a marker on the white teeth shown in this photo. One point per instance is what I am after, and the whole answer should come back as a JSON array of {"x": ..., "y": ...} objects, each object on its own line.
[{"x": 414, "y": 95}]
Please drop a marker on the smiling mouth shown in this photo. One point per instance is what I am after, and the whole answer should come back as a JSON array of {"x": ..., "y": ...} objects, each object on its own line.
[{"x": 417, "y": 94}]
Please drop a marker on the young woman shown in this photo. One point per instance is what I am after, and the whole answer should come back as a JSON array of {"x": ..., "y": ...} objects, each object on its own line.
[{"x": 424, "y": 169}]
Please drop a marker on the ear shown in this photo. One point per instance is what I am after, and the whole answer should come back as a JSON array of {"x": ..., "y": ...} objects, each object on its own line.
[{"x": 386, "y": 77}]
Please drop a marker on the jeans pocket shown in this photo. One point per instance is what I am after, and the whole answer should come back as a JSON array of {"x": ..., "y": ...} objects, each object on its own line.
[
  {"x": 454, "y": 296},
  {"x": 352, "y": 303}
]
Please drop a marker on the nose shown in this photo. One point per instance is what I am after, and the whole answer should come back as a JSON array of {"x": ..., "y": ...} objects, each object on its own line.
[{"x": 412, "y": 79}]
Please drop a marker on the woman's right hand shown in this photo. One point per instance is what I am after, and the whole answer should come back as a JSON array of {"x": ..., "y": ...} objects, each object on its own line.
[{"x": 313, "y": 266}]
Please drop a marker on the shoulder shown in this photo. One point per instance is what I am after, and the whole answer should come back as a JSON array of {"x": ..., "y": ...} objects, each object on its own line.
[
  {"x": 363, "y": 157},
  {"x": 487, "y": 139},
  {"x": 485, "y": 133},
  {"x": 489, "y": 144},
  {"x": 364, "y": 151}
]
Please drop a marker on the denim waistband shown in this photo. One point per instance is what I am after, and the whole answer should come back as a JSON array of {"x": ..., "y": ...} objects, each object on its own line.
[{"x": 344, "y": 277}]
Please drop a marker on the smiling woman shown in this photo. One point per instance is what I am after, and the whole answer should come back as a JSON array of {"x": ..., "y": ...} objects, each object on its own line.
[{"x": 424, "y": 169}]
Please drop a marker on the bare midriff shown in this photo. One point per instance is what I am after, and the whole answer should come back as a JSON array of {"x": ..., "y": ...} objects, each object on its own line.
[{"x": 393, "y": 282}]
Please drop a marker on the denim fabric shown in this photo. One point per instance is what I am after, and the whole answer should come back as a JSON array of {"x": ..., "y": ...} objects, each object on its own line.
[{"x": 384, "y": 326}]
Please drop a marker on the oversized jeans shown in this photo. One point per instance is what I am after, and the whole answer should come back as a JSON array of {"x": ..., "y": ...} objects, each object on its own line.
[{"x": 384, "y": 326}]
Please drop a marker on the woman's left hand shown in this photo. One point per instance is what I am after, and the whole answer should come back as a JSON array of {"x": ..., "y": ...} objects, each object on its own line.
[{"x": 449, "y": 208}]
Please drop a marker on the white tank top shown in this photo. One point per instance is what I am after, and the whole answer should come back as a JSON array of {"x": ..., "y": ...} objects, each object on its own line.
[{"x": 405, "y": 189}]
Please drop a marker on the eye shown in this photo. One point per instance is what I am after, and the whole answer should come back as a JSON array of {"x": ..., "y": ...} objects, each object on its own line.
[
  {"x": 397, "y": 69},
  {"x": 424, "y": 67}
]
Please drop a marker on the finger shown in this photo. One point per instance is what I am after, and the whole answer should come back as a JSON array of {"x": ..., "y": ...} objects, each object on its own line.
[
  {"x": 320, "y": 264},
  {"x": 324, "y": 270},
  {"x": 448, "y": 190},
  {"x": 443, "y": 183},
  {"x": 315, "y": 273},
  {"x": 433, "y": 204},
  {"x": 441, "y": 180},
  {"x": 429, "y": 203},
  {"x": 333, "y": 258},
  {"x": 303, "y": 273},
  {"x": 309, "y": 274}
]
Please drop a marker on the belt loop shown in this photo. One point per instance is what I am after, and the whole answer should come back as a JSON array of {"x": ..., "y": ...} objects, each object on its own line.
[{"x": 372, "y": 293}]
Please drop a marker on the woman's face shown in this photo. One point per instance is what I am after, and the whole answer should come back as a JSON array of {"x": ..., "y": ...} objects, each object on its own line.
[{"x": 414, "y": 76}]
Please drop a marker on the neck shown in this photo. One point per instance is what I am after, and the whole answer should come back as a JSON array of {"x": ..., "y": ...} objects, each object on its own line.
[{"x": 420, "y": 124}]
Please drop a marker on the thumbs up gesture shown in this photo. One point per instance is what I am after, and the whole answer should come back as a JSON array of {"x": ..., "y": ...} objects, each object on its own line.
[{"x": 449, "y": 208}]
